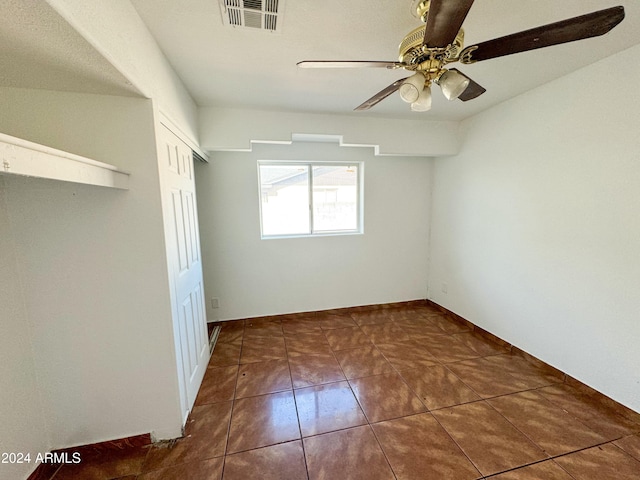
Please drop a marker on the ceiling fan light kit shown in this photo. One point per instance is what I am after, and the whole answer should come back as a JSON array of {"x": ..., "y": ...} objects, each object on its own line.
[
  {"x": 423, "y": 103},
  {"x": 452, "y": 84},
  {"x": 428, "y": 49},
  {"x": 412, "y": 87}
]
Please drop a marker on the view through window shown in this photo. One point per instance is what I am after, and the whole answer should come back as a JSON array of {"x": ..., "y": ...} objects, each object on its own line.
[{"x": 309, "y": 198}]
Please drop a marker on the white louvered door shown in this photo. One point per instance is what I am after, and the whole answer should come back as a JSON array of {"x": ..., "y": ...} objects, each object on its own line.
[{"x": 185, "y": 266}]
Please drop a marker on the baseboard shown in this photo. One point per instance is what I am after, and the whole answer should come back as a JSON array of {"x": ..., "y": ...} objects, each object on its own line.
[
  {"x": 583, "y": 388},
  {"x": 599, "y": 397},
  {"x": 45, "y": 471},
  {"x": 331, "y": 311}
]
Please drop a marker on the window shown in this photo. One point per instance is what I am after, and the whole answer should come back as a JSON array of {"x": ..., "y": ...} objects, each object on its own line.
[{"x": 310, "y": 198}]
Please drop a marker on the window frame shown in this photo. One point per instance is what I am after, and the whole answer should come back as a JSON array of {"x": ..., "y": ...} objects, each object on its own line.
[{"x": 309, "y": 164}]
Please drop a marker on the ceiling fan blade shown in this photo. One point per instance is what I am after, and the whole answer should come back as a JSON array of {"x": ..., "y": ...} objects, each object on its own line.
[
  {"x": 577, "y": 28},
  {"x": 474, "y": 89},
  {"x": 381, "y": 95},
  {"x": 444, "y": 20},
  {"x": 348, "y": 64}
]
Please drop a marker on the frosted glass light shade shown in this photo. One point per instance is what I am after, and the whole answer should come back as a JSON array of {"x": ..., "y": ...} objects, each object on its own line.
[
  {"x": 423, "y": 103},
  {"x": 411, "y": 88},
  {"x": 453, "y": 84}
]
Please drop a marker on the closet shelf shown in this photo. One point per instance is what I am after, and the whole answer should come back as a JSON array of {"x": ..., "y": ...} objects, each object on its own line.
[{"x": 21, "y": 157}]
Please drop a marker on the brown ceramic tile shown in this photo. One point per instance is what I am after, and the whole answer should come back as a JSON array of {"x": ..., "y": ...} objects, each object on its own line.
[
  {"x": 265, "y": 429},
  {"x": 385, "y": 396},
  {"x": 363, "y": 361},
  {"x": 590, "y": 412},
  {"x": 603, "y": 399},
  {"x": 263, "y": 377},
  {"x": 478, "y": 344},
  {"x": 371, "y": 317},
  {"x": 278, "y": 462},
  {"x": 487, "y": 438},
  {"x": 446, "y": 348},
  {"x": 46, "y": 471},
  {"x": 536, "y": 362},
  {"x": 105, "y": 464},
  {"x": 407, "y": 355},
  {"x": 420, "y": 326},
  {"x": 110, "y": 447},
  {"x": 400, "y": 315},
  {"x": 307, "y": 344},
  {"x": 350, "y": 337},
  {"x": 438, "y": 387},
  {"x": 231, "y": 336},
  {"x": 606, "y": 462},
  {"x": 259, "y": 349},
  {"x": 519, "y": 368},
  {"x": 325, "y": 408},
  {"x": 218, "y": 385},
  {"x": 490, "y": 337},
  {"x": 225, "y": 354},
  {"x": 231, "y": 325},
  {"x": 550, "y": 427},
  {"x": 447, "y": 324},
  {"x": 308, "y": 370},
  {"x": 385, "y": 333},
  {"x": 210, "y": 469},
  {"x": 294, "y": 316},
  {"x": 206, "y": 437},
  {"x": 548, "y": 470},
  {"x": 353, "y": 453},
  {"x": 631, "y": 445},
  {"x": 431, "y": 309},
  {"x": 261, "y": 421},
  {"x": 487, "y": 379},
  {"x": 295, "y": 326},
  {"x": 329, "y": 322},
  {"x": 262, "y": 322},
  {"x": 418, "y": 447},
  {"x": 262, "y": 328}
]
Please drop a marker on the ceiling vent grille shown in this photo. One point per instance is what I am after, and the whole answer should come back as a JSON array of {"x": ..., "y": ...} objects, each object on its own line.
[{"x": 255, "y": 14}]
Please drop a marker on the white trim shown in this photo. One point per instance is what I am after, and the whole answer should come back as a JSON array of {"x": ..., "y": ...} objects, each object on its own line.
[
  {"x": 167, "y": 121},
  {"x": 22, "y": 157},
  {"x": 309, "y": 164}
]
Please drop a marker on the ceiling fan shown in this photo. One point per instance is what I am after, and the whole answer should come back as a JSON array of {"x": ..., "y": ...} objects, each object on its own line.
[{"x": 428, "y": 49}]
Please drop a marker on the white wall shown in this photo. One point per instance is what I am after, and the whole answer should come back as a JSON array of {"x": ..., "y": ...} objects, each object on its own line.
[
  {"x": 254, "y": 277},
  {"x": 536, "y": 230},
  {"x": 116, "y": 31},
  {"x": 92, "y": 265},
  {"x": 24, "y": 427},
  {"x": 234, "y": 129}
]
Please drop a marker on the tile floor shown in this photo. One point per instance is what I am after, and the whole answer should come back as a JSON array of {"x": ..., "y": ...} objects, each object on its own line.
[{"x": 400, "y": 393}]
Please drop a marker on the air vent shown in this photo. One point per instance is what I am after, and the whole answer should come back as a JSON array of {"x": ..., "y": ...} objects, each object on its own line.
[{"x": 254, "y": 14}]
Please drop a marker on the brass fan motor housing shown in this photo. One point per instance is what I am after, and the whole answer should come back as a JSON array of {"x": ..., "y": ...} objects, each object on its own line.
[
  {"x": 421, "y": 8},
  {"x": 412, "y": 52},
  {"x": 418, "y": 57}
]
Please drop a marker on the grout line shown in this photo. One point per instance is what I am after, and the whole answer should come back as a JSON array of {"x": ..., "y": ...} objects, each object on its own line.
[
  {"x": 457, "y": 445},
  {"x": 233, "y": 404},
  {"x": 397, "y": 371},
  {"x": 295, "y": 404},
  {"x": 537, "y": 462}
]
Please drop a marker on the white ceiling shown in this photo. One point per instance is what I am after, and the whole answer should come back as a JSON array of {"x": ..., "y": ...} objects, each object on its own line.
[
  {"x": 243, "y": 67},
  {"x": 39, "y": 49}
]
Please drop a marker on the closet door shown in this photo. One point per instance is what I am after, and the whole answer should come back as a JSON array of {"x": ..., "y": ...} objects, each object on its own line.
[{"x": 185, "y": 267}]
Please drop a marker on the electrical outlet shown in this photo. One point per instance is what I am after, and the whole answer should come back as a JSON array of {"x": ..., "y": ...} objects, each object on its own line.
[
  {"x": 445, "y": 287},
  {"x": 215, "y": 303}
]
